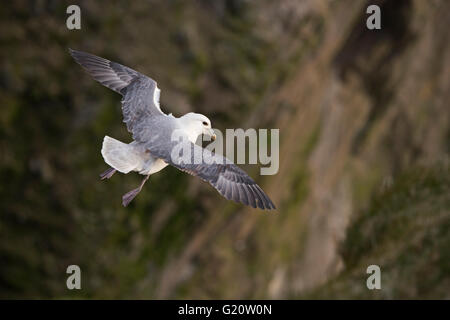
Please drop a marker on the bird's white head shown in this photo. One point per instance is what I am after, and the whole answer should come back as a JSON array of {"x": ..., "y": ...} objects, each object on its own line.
[{"x": 197, "y": 124}]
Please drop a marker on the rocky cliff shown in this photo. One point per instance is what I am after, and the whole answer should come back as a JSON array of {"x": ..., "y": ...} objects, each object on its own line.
[{"x": 358, "y": 111}]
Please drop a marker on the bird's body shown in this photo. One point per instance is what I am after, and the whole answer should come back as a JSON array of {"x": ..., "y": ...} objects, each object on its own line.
[
  {"x": 156, "y": 135},
  {"x": 130, "y": 157},
  {"x": 135, "y": 156}
]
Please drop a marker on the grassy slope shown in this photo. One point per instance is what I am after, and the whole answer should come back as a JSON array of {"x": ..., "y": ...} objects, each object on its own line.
[
  {"x": 406, "y": 232},
  {"x": 55, "y": 211}
]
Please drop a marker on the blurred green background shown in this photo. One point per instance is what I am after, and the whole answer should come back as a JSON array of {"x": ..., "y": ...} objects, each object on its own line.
[{"x": 364, "y": 158}]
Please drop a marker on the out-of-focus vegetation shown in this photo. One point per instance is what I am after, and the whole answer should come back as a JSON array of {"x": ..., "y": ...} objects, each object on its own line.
[
  {"x": 353, "y": 106},
  {"x": 406, "y": 232}
]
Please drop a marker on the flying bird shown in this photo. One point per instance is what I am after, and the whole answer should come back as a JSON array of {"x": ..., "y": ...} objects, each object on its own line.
[{"x": 153, "y": 144}]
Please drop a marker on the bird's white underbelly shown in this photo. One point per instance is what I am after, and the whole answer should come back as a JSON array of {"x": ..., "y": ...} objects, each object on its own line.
[
  {"x": 152, "y": 166},
  {"x": 143, "y": 161}
]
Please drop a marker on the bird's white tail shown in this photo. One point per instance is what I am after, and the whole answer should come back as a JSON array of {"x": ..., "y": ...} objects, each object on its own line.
[{"x": 119, "y": 155}]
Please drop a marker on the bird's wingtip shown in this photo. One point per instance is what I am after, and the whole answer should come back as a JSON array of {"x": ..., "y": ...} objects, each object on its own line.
[{"x": 74, "y": 53}]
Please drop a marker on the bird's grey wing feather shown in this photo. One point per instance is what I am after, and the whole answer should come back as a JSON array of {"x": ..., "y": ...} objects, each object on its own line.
[
  {"x": 140, "y": 102},
  {"x": 230, "y": 180},
  {"x": 140, "y": 93}
]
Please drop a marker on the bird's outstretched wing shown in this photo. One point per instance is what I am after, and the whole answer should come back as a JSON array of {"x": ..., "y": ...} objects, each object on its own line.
[
  {"x": 140, "y": 93},
  {"x": 230, "y": 180}
]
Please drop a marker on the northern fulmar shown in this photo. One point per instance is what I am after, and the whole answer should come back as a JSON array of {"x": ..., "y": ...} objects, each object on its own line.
[{"x": 153, "y": 146}]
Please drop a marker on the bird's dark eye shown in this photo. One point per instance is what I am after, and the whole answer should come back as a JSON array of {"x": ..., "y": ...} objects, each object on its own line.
[{"x": 205, "y": 123}]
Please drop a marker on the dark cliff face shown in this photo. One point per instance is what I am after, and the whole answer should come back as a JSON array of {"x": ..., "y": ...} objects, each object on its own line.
[{"x": 358, "y": 111}]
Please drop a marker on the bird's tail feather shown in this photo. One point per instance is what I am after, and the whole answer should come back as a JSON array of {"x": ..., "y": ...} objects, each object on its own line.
[{"x": 119, "y": 155}]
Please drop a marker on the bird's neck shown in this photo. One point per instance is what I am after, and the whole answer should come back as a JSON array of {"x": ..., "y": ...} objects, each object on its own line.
[{"x": 190, "y": 128}]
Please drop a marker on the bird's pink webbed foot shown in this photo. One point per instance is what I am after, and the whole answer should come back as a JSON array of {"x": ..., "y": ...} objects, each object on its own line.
[
  {"x": 107, "y": 174},
  {"x": 129, "y": 196}
]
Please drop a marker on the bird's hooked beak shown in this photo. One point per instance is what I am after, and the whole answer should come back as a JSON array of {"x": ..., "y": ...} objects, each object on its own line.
[{"x": 212, "y": 134}]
